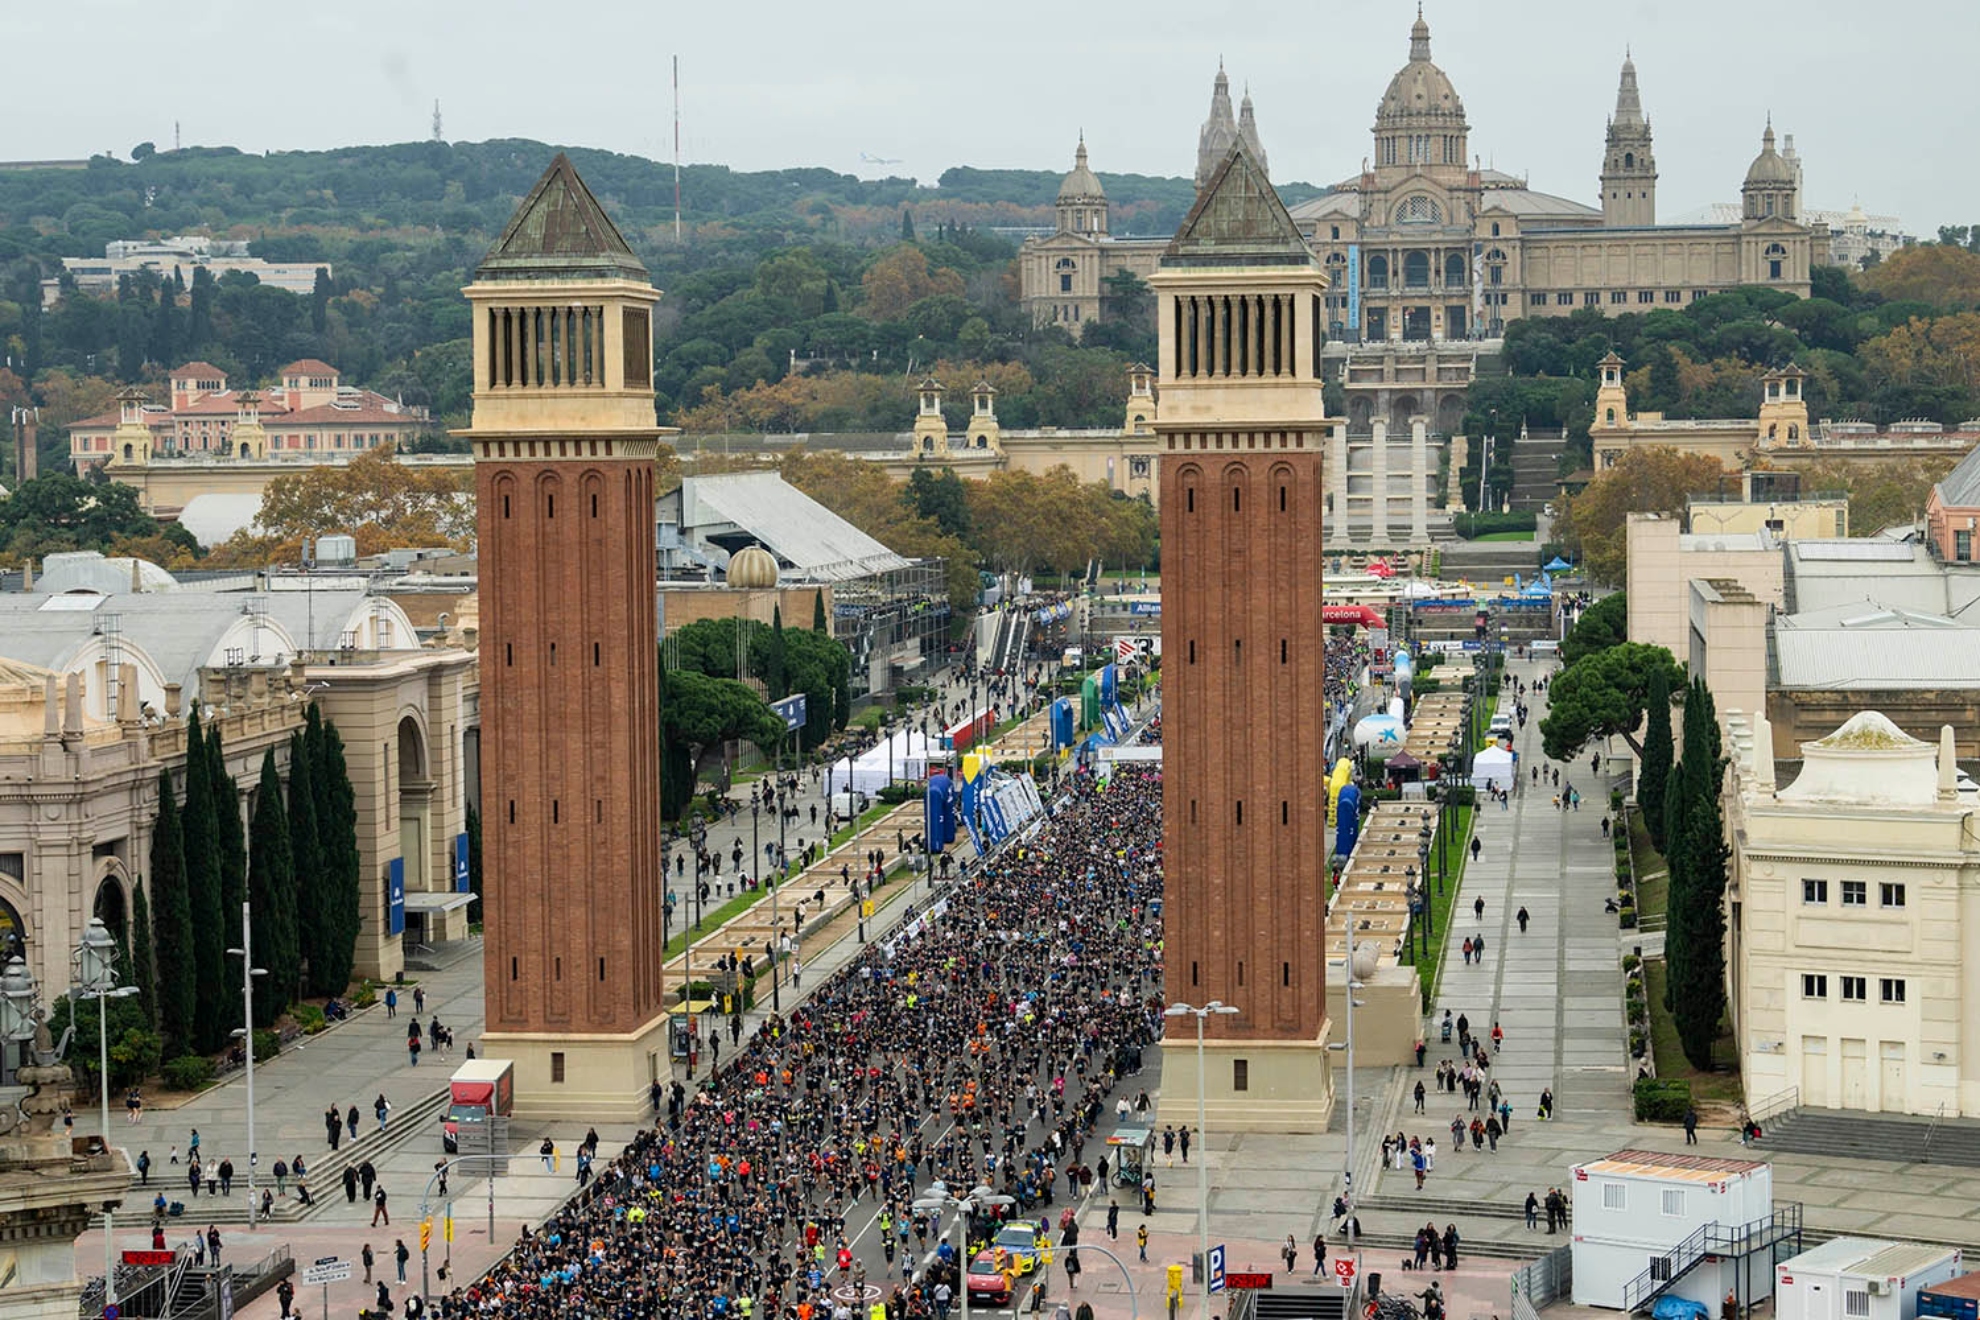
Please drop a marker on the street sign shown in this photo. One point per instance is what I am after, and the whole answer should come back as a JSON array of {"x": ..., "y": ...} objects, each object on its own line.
[
  {"x": 324, "y": 1275},
  {"x": 1252, "y": 1281},
  {"x": 150, "y": 1257},
  {"x": 1344, "y": 1271},
  {"x": 1217, "y": 1268},
  {"x": 112, "y": 1311},
  {"x": 327, "y": 1260}
]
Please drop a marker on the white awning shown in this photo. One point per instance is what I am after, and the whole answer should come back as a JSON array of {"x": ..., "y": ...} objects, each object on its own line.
[{"x": 443, "y": 900}]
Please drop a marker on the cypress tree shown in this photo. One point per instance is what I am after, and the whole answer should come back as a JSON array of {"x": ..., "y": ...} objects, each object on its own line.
[
  {"x": 143, "y": 952},
  {"x": 209, "y": 943},
  {"x": 178, "y": 994},
  {"x": 773, "y": 669},
  {"x": 272, "y": 887},
  {"x": 233, "y": 860},
  {"x": 306, "y": 862},
  {"x": 1657, "y": 752},
  {"x": 336, "y": 832},
  {"x": 818, "y": 620}
]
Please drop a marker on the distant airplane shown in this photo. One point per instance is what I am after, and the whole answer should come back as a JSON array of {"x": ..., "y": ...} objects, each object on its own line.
[{"x": 877, "y": 160}]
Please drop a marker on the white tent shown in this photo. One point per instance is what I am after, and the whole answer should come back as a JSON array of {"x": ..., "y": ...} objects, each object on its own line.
[
  {"x": 868, "y": 774},
  {"x": 1493, "y": 768}
]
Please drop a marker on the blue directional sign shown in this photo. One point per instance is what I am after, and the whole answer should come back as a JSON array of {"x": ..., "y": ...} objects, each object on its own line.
[{"x": 1217, "y": 1268}]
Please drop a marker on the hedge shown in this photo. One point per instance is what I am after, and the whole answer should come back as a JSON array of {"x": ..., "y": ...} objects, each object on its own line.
[
  {"x": 1661, "y": 1100},
  {"x": 1470, "y": 525},
  {"x": 188, "y": 1072}
]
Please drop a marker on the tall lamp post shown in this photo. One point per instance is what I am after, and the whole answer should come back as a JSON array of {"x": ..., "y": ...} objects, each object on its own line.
[
  {"x": 1202, "y": 1137},
  {"x": 1360, "y": 962},
  {"x": 776, "y": 1000},
  {"x": 978, "y": 1198},
  {"x": 96, "y": 978},
  {"x": 246, "y": 1033}
]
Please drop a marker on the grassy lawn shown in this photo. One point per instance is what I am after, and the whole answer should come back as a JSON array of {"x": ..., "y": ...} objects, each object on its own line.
[
  {"x": 1653, "y": 879},
  {"x": 1458, "y": 838},
  {"x": 867, "y": 817},
  {"x": 1721, "y": 1085},
  {"x": 1504, "y": 536}
]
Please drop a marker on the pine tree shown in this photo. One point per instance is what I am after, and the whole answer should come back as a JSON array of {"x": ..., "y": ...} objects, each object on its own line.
[
  {"x": 209, "y": 943},
  {"x": 474, "y": 860},
  {"x": 336, "y": 832},
  {"x": 818, "y": 621},
  {"x": 144, "y": 952},
  {"x": 1657, "y": 752},
  {"x": 233, "y": 860},
  {"x": 773, "y": 669},
  {"x": 306, "y": 862},
  {"x": 173, "y": 936},
  {"x": 272, "y": 889},
  {"x": 907, "y": 225}
]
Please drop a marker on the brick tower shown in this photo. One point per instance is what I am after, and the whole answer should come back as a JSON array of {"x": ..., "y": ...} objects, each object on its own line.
[
  {"x": 1242, "y": 436},
  {"x": 564, "y": 440}
]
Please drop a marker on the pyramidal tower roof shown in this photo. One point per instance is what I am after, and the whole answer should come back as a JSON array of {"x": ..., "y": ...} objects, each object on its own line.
[
  {"x": 560, "y": 232},
  {"x": 1238, "y": 220},
  {"x": 1629, "y": 103}
]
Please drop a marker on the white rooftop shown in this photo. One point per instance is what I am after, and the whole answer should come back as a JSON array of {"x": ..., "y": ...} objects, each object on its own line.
[{"x": 1869, "y": 761}]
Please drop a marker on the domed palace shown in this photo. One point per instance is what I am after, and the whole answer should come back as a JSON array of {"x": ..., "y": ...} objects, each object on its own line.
[{"x": 1424, "y": 244}]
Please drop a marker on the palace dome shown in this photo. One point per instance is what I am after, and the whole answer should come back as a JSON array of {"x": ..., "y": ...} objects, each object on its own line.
[
  {"x": 1769, "y": 168},
  {"x": 1419, "y": 88},
  {"x": 1082, "y": 185}
]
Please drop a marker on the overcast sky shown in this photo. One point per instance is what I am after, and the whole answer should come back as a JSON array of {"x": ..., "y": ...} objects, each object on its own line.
[{"x": 1866, "y": 89}]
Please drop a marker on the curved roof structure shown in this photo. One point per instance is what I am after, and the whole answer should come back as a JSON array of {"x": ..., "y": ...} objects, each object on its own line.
[
  {"x": 1420, "y": 92},
  {"x": 1082, "y": 185}
]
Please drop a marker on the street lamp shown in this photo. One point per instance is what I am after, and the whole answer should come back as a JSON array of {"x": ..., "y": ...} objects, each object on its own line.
[
  {"x": 776, "y": 999},
  {"x": 1414, "y": 896},
  {"x": 1359, "y": 963},
  {"x": 977, "y": 1198},
  {"x": 1202, "y": 1137},
  {"x": 246, "y": 1033},
  {"x": 96, "y": 978},
  {"x": 1423, "y": 835}
]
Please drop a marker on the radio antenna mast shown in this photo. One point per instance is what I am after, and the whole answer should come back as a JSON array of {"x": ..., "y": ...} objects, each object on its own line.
[{"x": 677, "y": 150}]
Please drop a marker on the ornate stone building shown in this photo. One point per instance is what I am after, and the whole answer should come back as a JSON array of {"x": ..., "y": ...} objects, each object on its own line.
[
  {"x": 1240, "y": 436},
  {"x": 1424, "y": 243}
]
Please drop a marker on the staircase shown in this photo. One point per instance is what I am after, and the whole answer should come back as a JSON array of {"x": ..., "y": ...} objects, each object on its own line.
[
  {"x": 1711, "y": 1241},
  {"x": 326, "y": 1173},
  {"x": 1485, "y": 562},
  {"x": 1536, "y": 471},
  {"x": 1898, "y": 1138}
]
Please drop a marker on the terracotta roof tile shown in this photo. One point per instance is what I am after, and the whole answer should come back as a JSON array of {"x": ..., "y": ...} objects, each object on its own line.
[
  {"x": 197, "y": 369},
  {"x": 308, "y": 367}
]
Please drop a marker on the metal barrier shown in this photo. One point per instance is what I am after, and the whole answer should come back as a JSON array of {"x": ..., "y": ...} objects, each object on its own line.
[{"x": 1541, "y": 1283}]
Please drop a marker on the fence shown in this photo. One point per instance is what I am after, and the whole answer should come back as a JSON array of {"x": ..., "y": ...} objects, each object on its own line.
[{"x": 1542, "y": 1283}]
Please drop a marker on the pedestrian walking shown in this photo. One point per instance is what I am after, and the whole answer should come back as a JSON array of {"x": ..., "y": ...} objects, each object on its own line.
[
  {"x": 144, "y": 1168},
  {"x": 1532, "y": 1211},
  {"x": 1113, "y": 1220},
  {"x": 1141, "y": 1242},
  {"x": 391, "y": 1003},
  {"x": 1290, "y": 1251},
  {"x": 401, "y": 1253},
  {"x": 365, "y": 1256},
  {"x": 1522, "y": 921},
  {"x": 1478, "y": 908},
  {"x": 378, "y": 1210},
  {"x": 1690, "y": 1126},
  {"x": 419, "y": 1000},
  {"x": 383, "y": 1107}
]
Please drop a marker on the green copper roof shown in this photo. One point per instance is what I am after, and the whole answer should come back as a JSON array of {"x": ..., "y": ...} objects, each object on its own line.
[{"x": 560, "y": 232}]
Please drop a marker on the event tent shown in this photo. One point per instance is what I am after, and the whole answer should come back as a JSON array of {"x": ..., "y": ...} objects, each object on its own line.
[
  {"x": 1493, "y": 768},
  {"x": 868, "y": 774}
]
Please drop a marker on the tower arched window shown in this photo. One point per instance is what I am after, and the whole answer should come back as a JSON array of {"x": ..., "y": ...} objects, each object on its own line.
[
  {"x": 1610, "y": 418},
  {"x": 1776, "y": 254},
  {"x": 1454, "y": 271},
  {"x": 1378, "y": 272},
  {"x": 1629, "y": 160}
]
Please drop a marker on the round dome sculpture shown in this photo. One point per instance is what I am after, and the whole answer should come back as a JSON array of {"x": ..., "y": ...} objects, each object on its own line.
[
  {"x": 1082, "y": 185},
  {"x": 753, "y": 568}
]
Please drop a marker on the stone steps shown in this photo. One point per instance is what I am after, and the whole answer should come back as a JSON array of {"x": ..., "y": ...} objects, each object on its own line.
[{"x": 1900, "y": 1139}]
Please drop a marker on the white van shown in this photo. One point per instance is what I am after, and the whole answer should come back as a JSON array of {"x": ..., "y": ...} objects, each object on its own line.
[{"x": 848, "y": 803}]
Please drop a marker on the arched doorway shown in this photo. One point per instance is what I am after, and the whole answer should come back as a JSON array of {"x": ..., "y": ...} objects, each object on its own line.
[
  {"x": 1361, "y": 413},
  {"x": 1405, "y": 407},
  {"x": 415, "y": 819},
  {"x": 110, "y": 906}
]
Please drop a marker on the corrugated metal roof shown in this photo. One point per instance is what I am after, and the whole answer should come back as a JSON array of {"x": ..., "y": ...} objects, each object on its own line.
[
  {"x": 1856, "y": 549},
  {"x": 804, "y": 535},
  {"x": 1960, "y": 488},
  {"x": 1899, "y": 1259},
  {"x": 1657, "y": 1164},
  {"x": 1839, "y": 659}
]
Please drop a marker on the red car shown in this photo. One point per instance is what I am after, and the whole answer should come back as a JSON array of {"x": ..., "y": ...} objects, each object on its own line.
[{"x": 986, "y": 1282}]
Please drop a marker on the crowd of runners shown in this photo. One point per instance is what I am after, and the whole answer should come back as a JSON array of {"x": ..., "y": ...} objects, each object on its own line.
[{"x": 982, "y": 1044}]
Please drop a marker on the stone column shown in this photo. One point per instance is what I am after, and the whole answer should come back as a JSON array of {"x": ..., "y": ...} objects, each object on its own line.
[
  {"x": 1419, "y": 479},
  {"x": 1378, "y": 518},
  {"x": 1337, "y": 482}
]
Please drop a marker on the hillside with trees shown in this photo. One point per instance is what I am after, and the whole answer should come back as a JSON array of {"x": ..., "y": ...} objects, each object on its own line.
[
  {"x": 1899, "y": 341},
  {"x": 888, "y": 274}
]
